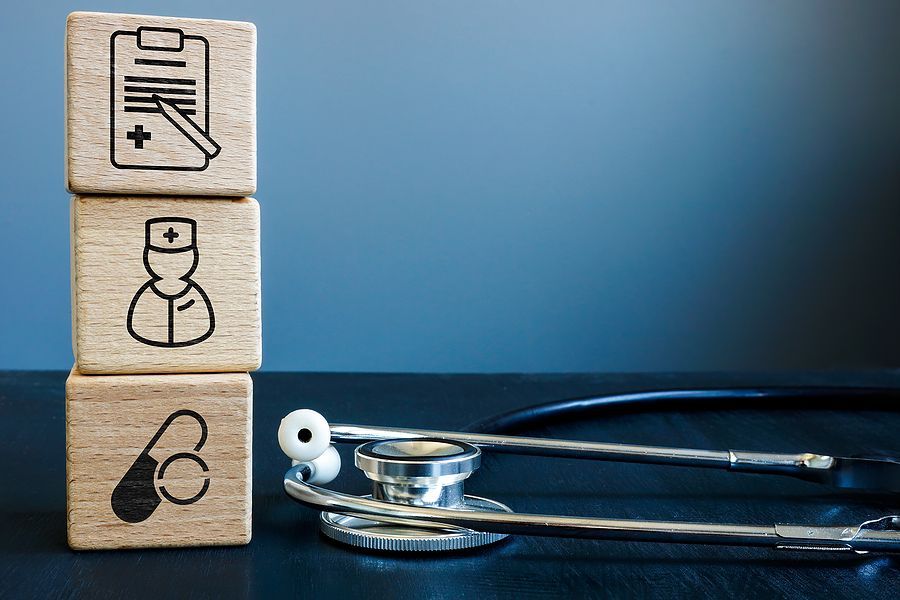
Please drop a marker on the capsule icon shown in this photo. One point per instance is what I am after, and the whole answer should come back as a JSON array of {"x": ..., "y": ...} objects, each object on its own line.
[{"x": 137, "y": 495}]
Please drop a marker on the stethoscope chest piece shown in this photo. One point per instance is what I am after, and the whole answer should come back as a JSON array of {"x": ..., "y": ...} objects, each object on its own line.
[{"x": 421, "y": 472}]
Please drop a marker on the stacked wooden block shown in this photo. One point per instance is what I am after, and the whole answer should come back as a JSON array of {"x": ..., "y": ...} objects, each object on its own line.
[{"x": 161, "y": 156}]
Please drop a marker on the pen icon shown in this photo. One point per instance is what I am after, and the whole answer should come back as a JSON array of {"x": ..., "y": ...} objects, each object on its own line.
[{"x": 181, "y": 121}]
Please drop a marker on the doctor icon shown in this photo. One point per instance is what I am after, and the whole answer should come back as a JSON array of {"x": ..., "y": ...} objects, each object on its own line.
[{"x": 170, "y": 310}]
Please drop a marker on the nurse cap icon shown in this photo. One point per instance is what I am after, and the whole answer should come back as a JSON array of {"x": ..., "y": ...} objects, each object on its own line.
[
  {"x": 170, "y": 234},
  {"x": 170, "y": 310}
]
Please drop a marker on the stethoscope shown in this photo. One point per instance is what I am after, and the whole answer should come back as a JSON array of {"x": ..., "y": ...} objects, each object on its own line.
[{"x": 418, "y": 502}]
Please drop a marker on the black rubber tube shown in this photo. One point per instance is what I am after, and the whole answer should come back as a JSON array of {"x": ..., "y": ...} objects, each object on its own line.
[{"x": 833, "y": 398}]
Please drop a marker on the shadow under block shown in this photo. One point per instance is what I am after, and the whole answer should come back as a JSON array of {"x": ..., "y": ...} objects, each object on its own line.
[
  {"x": 160, "y": 105},
  {"x": 165, "y": 285},
  {"x": 158, "y": 460}
]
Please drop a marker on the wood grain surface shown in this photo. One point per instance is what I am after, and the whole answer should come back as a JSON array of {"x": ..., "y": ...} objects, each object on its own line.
[
  {"x": 118, "y": 140},
  {"x": 120, "y": 325},
  {"x": 111, "y": 421}
]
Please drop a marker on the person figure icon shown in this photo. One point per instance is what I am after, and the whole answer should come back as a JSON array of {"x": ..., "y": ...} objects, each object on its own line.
[{"x": 170, "y": 310}]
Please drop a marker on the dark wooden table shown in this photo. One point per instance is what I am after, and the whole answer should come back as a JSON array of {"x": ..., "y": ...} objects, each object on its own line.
[{"x": 289, "y": 558}]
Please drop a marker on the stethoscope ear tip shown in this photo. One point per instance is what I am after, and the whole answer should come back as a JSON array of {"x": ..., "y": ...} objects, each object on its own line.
[
  {"x": 304, "y": 435},
  {"x": 323, "y": 469}
]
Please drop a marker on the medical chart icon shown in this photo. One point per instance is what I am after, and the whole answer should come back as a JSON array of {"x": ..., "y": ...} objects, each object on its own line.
[
  {"x": 159, "y": 100},
  {"x": 136, "y": 496},
  {"x": 170, "y": 310}
]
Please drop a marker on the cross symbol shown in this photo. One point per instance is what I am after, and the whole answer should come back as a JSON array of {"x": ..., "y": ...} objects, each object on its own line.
[
  {"x": 170, "y": 235},
  {"x": 139, "y": 135}
]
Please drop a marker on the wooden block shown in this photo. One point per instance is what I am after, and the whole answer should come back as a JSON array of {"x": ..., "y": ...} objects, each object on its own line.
[
  {"x": 160, "y": 105},
  {"x": 158, "y": 460},
  {"x": 165, "y": 285}
]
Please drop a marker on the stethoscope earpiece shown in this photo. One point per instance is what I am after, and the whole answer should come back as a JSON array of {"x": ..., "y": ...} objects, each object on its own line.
[
  {"x": 304, "y": 435},
  {"x": 324, "y": 468}
]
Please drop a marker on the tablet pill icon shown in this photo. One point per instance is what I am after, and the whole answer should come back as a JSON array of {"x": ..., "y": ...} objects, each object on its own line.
[{"x": 137, "y": 494}]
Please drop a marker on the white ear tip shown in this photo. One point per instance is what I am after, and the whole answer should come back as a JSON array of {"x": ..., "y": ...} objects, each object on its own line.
[
  {"x": 304, "y": 435},
  {"x": 325, "y": 468}
]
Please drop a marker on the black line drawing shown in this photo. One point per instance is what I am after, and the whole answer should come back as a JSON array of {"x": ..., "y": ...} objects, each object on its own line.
[
  {"x": 135, "y": 497},
  {"x": 170, "y": 310},
  {"x": 155, "y": 97}
]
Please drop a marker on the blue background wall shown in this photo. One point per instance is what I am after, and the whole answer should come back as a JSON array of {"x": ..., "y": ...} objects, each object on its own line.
[{"x": 526, "y": 186}]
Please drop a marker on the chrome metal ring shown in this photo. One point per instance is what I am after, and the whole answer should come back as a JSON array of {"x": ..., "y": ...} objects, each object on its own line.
[
  {"x": 417, "y": 458},
  {"x": 375, "y": 535}
]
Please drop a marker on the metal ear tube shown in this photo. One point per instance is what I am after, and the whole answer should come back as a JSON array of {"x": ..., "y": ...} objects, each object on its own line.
[{"x": 418, "y": 501}]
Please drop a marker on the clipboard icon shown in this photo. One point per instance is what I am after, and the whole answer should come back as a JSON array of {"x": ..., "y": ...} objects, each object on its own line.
[{"x": 159, "y": 100}]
